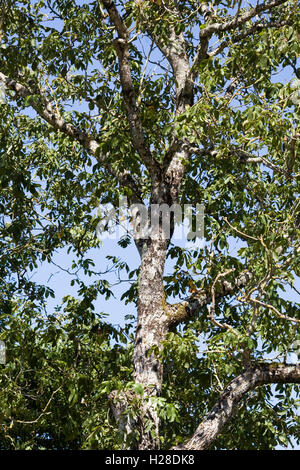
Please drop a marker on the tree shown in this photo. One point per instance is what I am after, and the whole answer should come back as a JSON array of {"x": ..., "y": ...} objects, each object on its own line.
[{"x": 164, "y": 102}]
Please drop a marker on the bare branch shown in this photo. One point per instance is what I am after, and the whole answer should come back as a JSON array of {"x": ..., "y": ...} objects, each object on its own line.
[
  {"x": 247, "y": 157},
  {"x": 44, "y": 411},
  {"x": 271, "y": 307},
  {"x": 239, "y": 232},
  {"x": 201, "y": 54},
  {"x": 227, "y": 404},
  {"x": 182, "y": 311},
  {"x": 239, "y": 21}
]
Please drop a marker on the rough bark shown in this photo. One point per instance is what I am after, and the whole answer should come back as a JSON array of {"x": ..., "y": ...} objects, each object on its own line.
[
  {"x": 152, "y": 312},
  {"x": 151, "y": 330}
]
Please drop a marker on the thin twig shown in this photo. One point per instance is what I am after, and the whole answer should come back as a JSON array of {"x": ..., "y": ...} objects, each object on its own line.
[{"x": 43, "y": 411}]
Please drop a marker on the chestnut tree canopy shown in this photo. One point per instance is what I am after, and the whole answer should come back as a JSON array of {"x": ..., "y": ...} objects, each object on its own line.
[{"x": 164, "y": 102}]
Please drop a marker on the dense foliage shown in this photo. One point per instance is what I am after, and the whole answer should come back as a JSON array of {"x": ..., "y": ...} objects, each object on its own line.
[{"x": 58, "y": 58}]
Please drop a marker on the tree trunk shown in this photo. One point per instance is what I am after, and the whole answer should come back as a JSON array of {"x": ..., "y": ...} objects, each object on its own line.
[
  {"x": 153, "y": 313},
  {"x": 151, "y": 330}
]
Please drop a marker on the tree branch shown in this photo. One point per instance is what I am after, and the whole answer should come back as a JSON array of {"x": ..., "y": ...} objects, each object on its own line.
[
  {"x": 273, "y": 309},
  {"x": 257, "y": 27},
  {"x": 227, "y": 404},
  {"x": 205, "y": 34},
  {"x": 122, "y": 49},
  {"x": 44, "y": 109},
  {"x": 247, "y": 157},
  {"x": 187, "y": 309},
  {"x": 236, "y": 22},
  {"x": 175, "y": 52},
  {"x": 207, "y": 11}
]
